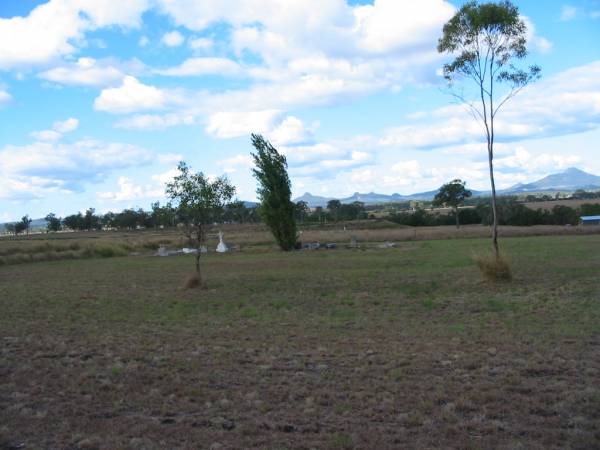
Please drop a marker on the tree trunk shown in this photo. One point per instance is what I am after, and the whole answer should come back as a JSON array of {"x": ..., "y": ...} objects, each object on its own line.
[
  {"x": 456, "y": 217},
  {"x": 198, "y": 266},
  {"x": 494, "y": 206}
]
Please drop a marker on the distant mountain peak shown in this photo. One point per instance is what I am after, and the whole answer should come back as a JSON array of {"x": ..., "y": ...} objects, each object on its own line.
[{"x": 570, "y": 179}]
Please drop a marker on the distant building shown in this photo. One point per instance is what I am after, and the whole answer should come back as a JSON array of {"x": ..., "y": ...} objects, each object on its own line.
[{"x": 590, "y": 220}]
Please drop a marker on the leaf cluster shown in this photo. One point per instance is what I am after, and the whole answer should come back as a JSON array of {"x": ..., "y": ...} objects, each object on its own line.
[
  {"x": 452, "y": 194},
  {"x": 199, "y": 200},
  {"x": 485, "y": 40}
]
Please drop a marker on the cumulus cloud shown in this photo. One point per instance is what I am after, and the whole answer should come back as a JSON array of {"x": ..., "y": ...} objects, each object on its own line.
[
  {"x": 291, "y": 131},
  {"x": 155, "y": 122},
  {"x": 55, "y": 28},
  {"x": 131, "y": 96},
  {"x": 202, "y": 66},
  {"x": 535, "y": 41},
  {"x": 84, "y": 72},
  {"x": 234, "y": 124},
  {"x": 172, "y": 39},
  {"x": 568, "y": 102},
  {"x": 58, "y": 129},
  {"x": 390, "y": 25},
  {"x": 34, "y": 170},
  {"x": 129, "y": 190}
]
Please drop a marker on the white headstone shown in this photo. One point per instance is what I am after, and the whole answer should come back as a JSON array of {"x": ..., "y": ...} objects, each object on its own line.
[{"x": 222, "y": 247}]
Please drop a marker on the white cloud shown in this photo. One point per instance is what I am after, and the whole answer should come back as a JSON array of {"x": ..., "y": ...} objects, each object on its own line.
[
  {"x": 144, "y": 41},
  {"x": 235, "y": 124},
  {"x": 231, "y": 165},
  {"x": 155, "y": 122},
  {"x": 203, "y": 66},
  {"x": 201, "y": 43},
  {"x": 40, "y": 168},
  {"x": 170, "y": 158},
  {"x": 534, "y": 41},
  {"x": 5, "y": 98},
  {"x": 568, "y": 102},
  {"x": 55, "y": 28},
  {"x": 131, "y": 96},
  {"x": 84, "y": 72},
  {"x": 527, "y": 162},
  {"x": 290, "y": 131},
  {"x": 129, "y": 190},
  {"x": 58, "y": 129},
  {"x": 172, "y": 39},
  {"x": 66, "y": 126},
  {"x": 391, "y": 25},
  {"x": 46, "y": 135},
  {"x": 567, "y": 13}
]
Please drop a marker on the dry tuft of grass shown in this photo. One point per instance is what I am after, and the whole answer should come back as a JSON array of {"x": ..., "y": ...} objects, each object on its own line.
[
  {"x": 493, "y": 267},
  {"x": 193, "y": 281}
]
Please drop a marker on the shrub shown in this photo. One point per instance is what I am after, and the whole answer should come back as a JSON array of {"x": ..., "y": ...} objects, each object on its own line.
[
  {"x": 108, "y": 251},
  {"x": 492, "y": 267},
  {"x": 192, "y": 282}
]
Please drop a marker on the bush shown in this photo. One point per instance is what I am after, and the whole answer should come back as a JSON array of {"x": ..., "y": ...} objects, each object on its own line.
[
  {"x": 192, "y": 282},
  {"x": 492, "y": 267}
]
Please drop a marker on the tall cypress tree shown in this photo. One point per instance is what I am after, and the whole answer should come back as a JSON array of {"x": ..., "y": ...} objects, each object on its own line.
[{"x": 274, "y": 192}]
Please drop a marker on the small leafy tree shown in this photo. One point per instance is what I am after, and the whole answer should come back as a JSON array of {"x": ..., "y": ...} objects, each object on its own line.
[
  {"x": 53, "y": 223},
  {"x": 25, "y": 224},
  {"x": 485, "y": 41},
  {"x": 20, "y": 227},
  {"x": 274, "y": 192},
  {"x": 11, "y": 228},
  {"x": 74, "y": 221},
  {"x": 200, "y": 202},
  {"x": 302, "y": 210},
  {"x": 334, "y": 206},
  {"x": 452, "y": 195}
]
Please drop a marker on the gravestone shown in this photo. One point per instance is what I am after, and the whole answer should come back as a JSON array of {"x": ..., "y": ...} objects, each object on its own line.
[{"x": 222, "y": 247}]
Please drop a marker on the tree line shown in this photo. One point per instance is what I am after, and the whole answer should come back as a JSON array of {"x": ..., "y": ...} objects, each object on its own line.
[{"x": 509, "y": 210}]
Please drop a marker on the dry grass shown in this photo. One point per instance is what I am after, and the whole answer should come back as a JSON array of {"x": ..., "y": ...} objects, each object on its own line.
[
  {"x": 399, "y": 348},
  {"x": 246, "y": 238},
  {"x": 493, "y": 267},
  {"x": 571, "y": 203},
  {"x": 193, "y": 281}
]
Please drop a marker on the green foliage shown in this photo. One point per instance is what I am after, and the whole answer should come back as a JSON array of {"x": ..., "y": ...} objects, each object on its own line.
[
  {"x": 490, "y": 33},
  {"x": 53, "y": 223},
  {"x": 199, "y": 201},
  {"x": 590, "y": 209},
  {"x": 25, "y": 224},
  {"x": 274, "y": 192},
  {"x": 302, "y": 211},
  {"x": 453, "y": 195}
]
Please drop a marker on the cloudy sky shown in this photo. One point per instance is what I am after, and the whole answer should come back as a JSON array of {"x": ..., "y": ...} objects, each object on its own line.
[{"x": 99, "y": 99}]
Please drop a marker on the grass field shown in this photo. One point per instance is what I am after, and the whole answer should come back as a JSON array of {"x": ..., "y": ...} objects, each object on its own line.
[{"x": 378, "y": 348}]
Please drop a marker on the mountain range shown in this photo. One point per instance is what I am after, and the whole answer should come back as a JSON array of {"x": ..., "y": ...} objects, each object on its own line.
[{"x": 570, "y": 180}]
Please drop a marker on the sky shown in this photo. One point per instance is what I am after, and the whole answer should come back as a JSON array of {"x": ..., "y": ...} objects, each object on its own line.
[{"x": 99, "y": 99}]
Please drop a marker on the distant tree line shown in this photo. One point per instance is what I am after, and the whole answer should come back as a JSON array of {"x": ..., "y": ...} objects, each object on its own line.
[
  {"x": 334, "y": 212},
  {"x": 130, "y": 219},
  {"x": 510, "y": 212}
]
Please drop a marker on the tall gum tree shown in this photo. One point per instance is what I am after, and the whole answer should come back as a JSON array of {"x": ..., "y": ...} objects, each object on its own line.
[{"x": 485, "y": 41}]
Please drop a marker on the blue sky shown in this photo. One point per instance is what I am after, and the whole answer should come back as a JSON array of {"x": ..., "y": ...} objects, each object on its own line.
[{"x": 100, "y": 99}]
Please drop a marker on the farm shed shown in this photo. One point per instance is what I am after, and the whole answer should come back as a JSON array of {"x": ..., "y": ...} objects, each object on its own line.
[{"x": 590, "y": 220}]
